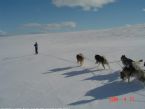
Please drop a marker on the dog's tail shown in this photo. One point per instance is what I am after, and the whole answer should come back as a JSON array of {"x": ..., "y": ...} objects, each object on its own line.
[
  {"x": 138, "y": 62},
  {"x": 106, "y": 61}
]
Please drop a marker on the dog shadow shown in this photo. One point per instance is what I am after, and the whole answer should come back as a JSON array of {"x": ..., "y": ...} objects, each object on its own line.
[
  {"x": 115, "y": 88},
  {"x": 59, "y": 69},
  {"x": 80, "y": 72},
  {"x": 110, "y": 77}
]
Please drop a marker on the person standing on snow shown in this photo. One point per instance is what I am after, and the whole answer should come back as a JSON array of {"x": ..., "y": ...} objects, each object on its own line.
[{"x": 36, "y": 48}]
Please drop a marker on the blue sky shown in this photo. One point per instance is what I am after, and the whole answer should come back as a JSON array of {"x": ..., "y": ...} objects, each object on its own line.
[{"x": 35, "y": 16}]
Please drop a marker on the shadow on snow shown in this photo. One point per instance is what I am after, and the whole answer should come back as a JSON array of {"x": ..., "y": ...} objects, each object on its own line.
[
  {"x": 59, "y": 69},
  {"x": 80, "y": 72},
  {"x": 115, "y": 88},
  {"x": 110, "y": 77}
]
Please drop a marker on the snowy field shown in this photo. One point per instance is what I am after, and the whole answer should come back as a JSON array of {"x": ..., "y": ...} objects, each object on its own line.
[{"x": 53, "y": 79}]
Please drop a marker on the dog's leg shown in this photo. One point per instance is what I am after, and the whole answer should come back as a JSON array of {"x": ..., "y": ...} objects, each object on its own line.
[
  {"x": 128, "y": 76},
  {"x": 98, "y": 65},
  {"x": 103, "y": 65},
  {"x": 81, "y": 63},
  {"x": 129, "y": 79},
  {"x": 108, "y": 66},
  {"x": 77, "y": 61}
]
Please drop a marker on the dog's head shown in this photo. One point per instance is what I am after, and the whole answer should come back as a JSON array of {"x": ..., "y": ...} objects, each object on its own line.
[
  {"x": 123, "y": 57},
  {"x": 97, "y": 58}
]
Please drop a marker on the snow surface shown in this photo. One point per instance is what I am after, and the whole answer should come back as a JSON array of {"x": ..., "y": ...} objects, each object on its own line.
[{"x": 53, "y": 79}]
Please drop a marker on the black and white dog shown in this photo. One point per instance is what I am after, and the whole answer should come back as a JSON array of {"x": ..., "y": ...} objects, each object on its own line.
[
  {"x": 131, "y": 68},
  {"x": 127, "y": 72},
  {"x": 101, "y": 60},
  {"x": 127, "y": 62}
]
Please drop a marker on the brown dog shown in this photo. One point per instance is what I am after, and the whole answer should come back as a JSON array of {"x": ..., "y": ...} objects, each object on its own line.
[{"x": 80, "y": 59}]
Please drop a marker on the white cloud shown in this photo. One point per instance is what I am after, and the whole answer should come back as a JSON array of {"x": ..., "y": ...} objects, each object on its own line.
[
  {"x": 53, "y": 26},
  {"x": 34, "y": 25},
  {"x": 128, "y": 25},
  {"x": 85, "y": 4},
  {"x": 63, "y": 25},
  {"x": 143, "y": 9},
  {"x": 2, "y": 33}
]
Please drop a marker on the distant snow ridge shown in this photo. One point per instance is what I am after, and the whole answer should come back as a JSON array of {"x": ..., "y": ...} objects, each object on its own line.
[
  {"x": 119, "y": 32},
  {"x": 128, "y": 31}
]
